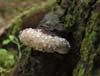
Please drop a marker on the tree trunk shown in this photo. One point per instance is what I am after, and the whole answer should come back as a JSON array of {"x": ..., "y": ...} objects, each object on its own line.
[{"x": 81, "y": 19}]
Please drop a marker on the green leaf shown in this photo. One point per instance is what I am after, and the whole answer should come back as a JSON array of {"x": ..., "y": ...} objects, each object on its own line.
[
  {"x": 11, "y": 37},
  {"x": 5, "y": 42},
  {"x": 6, "y": 58},
  {"x": 2, "y": 51}
]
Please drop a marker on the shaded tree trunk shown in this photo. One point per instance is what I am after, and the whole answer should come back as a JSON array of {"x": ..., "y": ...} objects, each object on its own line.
[{"x": 82, "y": 22}]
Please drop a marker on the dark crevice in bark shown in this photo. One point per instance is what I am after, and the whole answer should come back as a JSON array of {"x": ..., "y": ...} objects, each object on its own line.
[{"x": 90, "y": 8}]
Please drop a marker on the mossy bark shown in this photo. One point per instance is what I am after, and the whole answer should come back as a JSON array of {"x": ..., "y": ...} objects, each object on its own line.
[
  {"x": 84, "y": 19},
  {"x": 82, "y": 22}
]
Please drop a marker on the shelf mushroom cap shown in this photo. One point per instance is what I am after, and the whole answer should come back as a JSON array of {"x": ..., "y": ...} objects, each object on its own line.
[{"x": 36, "y": 39}]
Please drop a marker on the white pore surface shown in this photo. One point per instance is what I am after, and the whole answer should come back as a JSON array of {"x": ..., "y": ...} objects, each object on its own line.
[{"x": 36, "y": 39}]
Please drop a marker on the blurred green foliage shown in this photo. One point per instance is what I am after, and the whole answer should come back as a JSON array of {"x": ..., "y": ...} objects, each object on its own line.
[{"x": 6, "y": 58}]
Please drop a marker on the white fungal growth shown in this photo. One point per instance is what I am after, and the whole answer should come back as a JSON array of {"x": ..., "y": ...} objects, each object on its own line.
[{"x": 36, "y": 39}]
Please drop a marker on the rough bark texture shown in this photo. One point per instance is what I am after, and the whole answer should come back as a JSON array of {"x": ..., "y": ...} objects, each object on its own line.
[{"x": 82, "y": 22}]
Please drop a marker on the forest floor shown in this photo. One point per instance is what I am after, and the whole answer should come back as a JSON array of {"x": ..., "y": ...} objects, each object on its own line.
[{"x": 10, "y": 8}]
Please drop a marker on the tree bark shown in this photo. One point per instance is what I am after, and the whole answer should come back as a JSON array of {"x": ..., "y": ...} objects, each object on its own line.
[{"x": 81, "y": 19}]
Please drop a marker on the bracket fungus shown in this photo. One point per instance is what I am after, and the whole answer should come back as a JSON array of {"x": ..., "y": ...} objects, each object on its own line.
[{"x": 40, "y": 41}]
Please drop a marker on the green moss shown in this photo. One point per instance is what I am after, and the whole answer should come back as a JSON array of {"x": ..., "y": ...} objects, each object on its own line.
[
  {"x": 88, "y": 51},
  {"x": 86, "y": 2},
  {"x": 69, "y": 21},
  {"x": 79, "y": 72}
]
